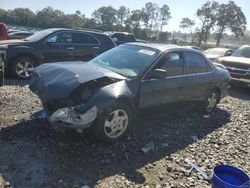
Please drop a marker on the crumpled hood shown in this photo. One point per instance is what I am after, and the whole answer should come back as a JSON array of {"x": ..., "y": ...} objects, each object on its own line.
[
  {"x": 56, "y": 80},
  {"x": 242, "y": 60}
]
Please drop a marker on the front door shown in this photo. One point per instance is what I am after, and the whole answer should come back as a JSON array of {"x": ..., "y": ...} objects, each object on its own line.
[
  {"x": 58, "y": 47},
  {"x": 155, "y": 91}
]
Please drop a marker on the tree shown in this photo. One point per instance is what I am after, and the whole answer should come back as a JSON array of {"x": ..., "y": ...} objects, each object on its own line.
[
  {"x": 21, "y": 16},
  {"x": 164, "y": 36},
  {"x": 188, "y": 24},
  {"x": 3, "y": 15},
  {"x": 164, "y": 16},
  {"x": 48, "y": 17},
  {"x": 207, "y": 15},
  {"x": 230, "y": 16},
  {"x": 135, "y": 20},
  {"x": 122, "y": 15},
  {"x": 105, "y": 17}
]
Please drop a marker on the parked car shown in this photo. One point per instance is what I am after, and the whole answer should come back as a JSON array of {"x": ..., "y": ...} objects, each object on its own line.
[
  {"x": 121, "y": 37},
  {"x": 215, "y": 53},
  {"x": 238, "y": 64},
  {"x": 19, "y": 35},
  {"x": 52, "y": 45},
  {"x": 194, "y": 47},
  {"x": 3, "y": 31},
  {"x": 106, "y": 93}
]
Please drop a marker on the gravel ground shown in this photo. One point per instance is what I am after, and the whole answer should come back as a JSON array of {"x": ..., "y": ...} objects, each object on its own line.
[{"x": 33, "y": 155}]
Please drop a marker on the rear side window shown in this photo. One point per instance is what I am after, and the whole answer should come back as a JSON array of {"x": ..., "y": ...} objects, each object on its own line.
[
  {"x": 119, "y": 36},
  {"x": 130, "y": 38},
  {"x": 82, "y": 38},
  {"x": 195, "y": 63}
]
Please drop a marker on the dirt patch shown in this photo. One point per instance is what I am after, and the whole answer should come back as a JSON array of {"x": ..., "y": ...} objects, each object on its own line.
[{"x": 33, "y": 155}]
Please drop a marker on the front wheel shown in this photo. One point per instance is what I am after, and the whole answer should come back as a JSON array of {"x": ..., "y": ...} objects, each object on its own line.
[
  {"x": 211, "y": 101},
  {"x": 22, "y": 67},
  {"x": 113, "y": 124}
]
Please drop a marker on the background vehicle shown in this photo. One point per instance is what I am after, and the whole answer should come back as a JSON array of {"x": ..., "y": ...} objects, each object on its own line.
[
  {"x": 238, "y": 65},
  {"x": 52, "y": 45},
  {"x": 122, "y": 37},
  {"x": 215, "y": 53},
  {"x": 3, "y": 31},
  {"x": 19, "y": 35},
  {"x": 114, "y": 86}
]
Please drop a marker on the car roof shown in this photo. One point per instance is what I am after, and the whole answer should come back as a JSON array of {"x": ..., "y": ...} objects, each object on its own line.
[
  {"x": 81, "y": 30},
  {"x": 114, "y": 32},
  {"x": 222, "y": 49},
  {"x": 160, "y": 47}
]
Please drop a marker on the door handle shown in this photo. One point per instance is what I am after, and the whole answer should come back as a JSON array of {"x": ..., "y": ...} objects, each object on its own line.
[
  {"x": 96, "y": 48},
  {"x": 70, "y": 48}
]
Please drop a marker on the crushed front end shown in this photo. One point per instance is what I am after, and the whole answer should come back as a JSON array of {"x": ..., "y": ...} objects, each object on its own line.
[{"x": 66, "y": 95}]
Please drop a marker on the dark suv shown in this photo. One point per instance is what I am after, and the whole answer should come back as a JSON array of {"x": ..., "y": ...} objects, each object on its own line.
[
  {"x": 122, "y": 37},
  {"x": 53, "y": 45}
]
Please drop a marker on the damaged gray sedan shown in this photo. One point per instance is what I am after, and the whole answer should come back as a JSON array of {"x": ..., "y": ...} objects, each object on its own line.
[{"x": 106, "y": 93}]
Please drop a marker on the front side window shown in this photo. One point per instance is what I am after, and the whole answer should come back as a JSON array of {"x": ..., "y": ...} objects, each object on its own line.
[
  {"x": 173, "y": 63},
  {"x": 195, "y": 63},
  {"x": 82, "y": 38},
  {"x": 63, "y": 37}
]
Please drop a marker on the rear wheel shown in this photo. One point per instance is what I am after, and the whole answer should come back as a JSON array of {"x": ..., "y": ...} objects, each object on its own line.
[
  {"x": 113, "y": 124},
  {"x": 22, "y": 67},
  {"x": 211, "y": 101}
]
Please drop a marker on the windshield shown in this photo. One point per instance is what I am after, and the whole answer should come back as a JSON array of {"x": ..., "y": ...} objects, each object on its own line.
[
  {"x": 39, "y": 35},
  {"x": 127, "y": 60},
  {"x": 215, "y": 51},
  {"x": 242, "y": 52}
]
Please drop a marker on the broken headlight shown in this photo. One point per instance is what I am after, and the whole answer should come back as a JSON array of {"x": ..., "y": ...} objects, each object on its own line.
[{"x": 71, "y": 116}]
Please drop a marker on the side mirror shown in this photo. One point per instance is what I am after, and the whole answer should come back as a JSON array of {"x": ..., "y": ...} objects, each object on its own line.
[
  {"x": 229, "y": 53},
  {"x": 158, "y": 74},
  {"x": 115, "y": 39}
]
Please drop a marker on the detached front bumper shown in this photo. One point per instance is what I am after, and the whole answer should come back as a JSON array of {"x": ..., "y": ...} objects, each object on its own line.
[{"x": 69, "y": 117}]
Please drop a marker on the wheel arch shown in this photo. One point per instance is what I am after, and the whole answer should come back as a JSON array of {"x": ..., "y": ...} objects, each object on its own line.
[
  {"x": 127, "y": 101},
  {"x": 24, "y": 54},
  {"x": 219, "y": 92}
]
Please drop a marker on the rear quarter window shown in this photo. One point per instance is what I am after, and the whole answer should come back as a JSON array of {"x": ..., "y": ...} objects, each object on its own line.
[{"x": 82, "y": 38}]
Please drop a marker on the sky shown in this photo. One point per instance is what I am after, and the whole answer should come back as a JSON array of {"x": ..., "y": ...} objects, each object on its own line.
[{"x": 178, "y": 8}]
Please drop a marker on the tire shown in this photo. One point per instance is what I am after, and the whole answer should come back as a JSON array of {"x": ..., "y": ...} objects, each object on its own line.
[
  {"x": 22, "y": 67},
  {"x": 119, "y": 118},
  {"x": 211, "y": 101}
]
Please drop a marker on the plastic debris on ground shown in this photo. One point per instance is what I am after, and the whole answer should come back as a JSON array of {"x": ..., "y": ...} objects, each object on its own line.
[
  {"x": 149, "y": 147},
  {"x": 41, "y": 115},
  {"x": 198, "y": 169}
]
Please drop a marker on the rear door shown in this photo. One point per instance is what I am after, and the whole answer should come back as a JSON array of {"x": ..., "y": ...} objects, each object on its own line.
[
  {"x": 58, "y": 47},
  {"x": 154, "y": 92},
  {"x": 199, "y": 75},
  {"x": 86, "y": 46}
]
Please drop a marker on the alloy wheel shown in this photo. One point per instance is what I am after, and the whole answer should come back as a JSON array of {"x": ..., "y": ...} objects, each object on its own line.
[
  {"x": 212, "y": 101},
  {"x": 24, "y": 68},
  {"x": 116, "y": 123}
]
